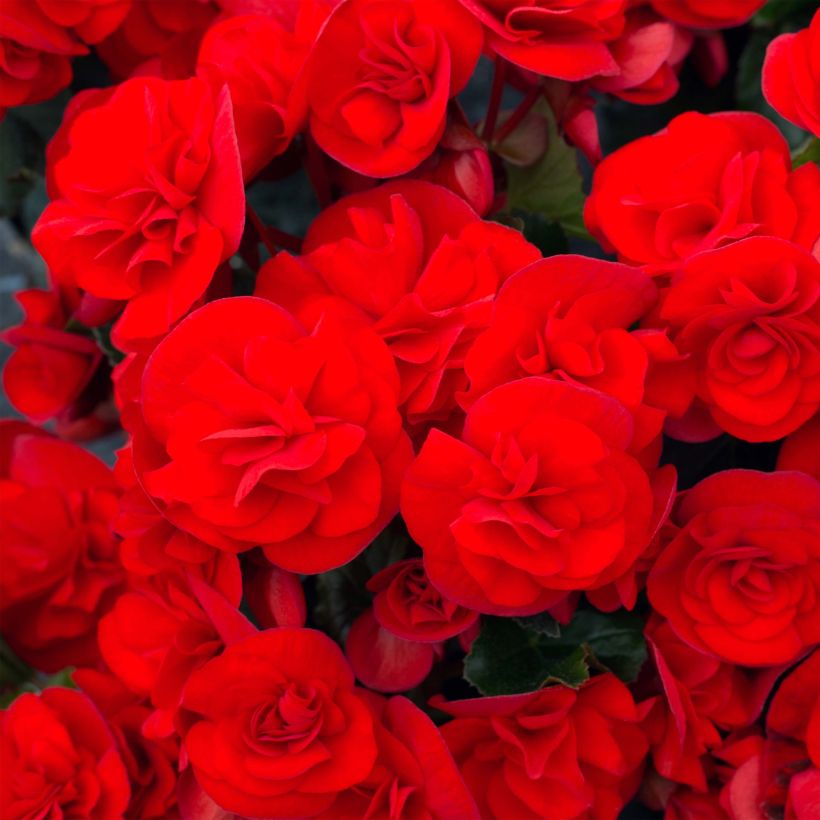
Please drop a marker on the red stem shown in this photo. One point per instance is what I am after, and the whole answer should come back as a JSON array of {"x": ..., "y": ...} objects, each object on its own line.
[
  {"x": 272, "y": 238},
  {"x": 517, "y": 117},
  {"x": 286, "y": 241},
  {"x": 493, "y": 107}
]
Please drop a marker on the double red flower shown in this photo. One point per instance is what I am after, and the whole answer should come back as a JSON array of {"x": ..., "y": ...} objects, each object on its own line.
[{"x": 414, "y": 446}]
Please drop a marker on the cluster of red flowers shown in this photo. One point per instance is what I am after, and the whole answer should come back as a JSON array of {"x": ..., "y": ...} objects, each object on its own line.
[{"x": 413, "y": 424}]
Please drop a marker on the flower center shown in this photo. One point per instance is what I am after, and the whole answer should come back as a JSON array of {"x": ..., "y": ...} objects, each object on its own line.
[
  {"x": 399, "y": 64},
  {"x": 292, "y": 720}
]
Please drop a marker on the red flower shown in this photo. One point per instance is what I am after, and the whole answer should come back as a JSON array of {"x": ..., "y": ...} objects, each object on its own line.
[
  {"x": 59, "y": 759},
  {"x": 50, "y": 367},
  {"x": 35, "y": 55},
  {"x": 415, "y": 262},
  {"x": 790, "y": 774},
  {"x": 708, "y": 14},
  {"x": 393, "y": 646},
  {"x": 741, "y": 580},
  {"x": 382, "y": 109},
  {"x": 90, "y": 20},
  {"x": 148, "y": 223},
  {"x": 276, "y": 726},
  {"x": 568, "y": 317},
  {"x": 704, "y": 181},
  {"x": 260, "y": 58},
  {"x": 158, "y": 37},
  {"x": 540, "y": 496},
  {"x": 747, "y": 317},
  {"x": 408, "y": 605},
  {"x": 151, "y": 763},
  {"x": 700, "y": 695},
  {"x": 554, "y": 754},
  {"x": 552, "y": 37},
  {"x": 166, "y": 626},
  {"x": 60, "y": 557},
  {"x": 414, "y": 774},
  {"x": 791, "y": 76},
  {"x": 257, "y": 432}
]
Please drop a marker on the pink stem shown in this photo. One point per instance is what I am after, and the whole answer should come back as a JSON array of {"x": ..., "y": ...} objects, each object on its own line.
[
  {"x": 493, "y": 107},
  {"x": 517, "y": 117},
  {"x": 272, "y": 238}
]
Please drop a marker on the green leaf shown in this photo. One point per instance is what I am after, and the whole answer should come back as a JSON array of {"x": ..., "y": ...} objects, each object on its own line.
[
  {"x": 571, "y": 670},
  {"x": 505, "y": 659},
  {"x": 13, "y": 671},
  {"x": 16, "y": 677},
  {"x": 547, "y": 236},
  {"x": 102, "y": 336},
  {"x": 543, "y": 623},
  {"x": 515, "y": 655},
  {"x": 782, "y": 13},
  {"x": 508, "y": 659},
  {"x": 552, "y": 185},
  {"x": 615, "y": 640},
  {"x": 809, "y": 151}
]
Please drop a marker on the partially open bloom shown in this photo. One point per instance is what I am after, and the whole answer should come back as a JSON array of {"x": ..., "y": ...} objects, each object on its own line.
[
  {"x": 393, "y": 646},
  {"x": 408, "y": 605}
]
